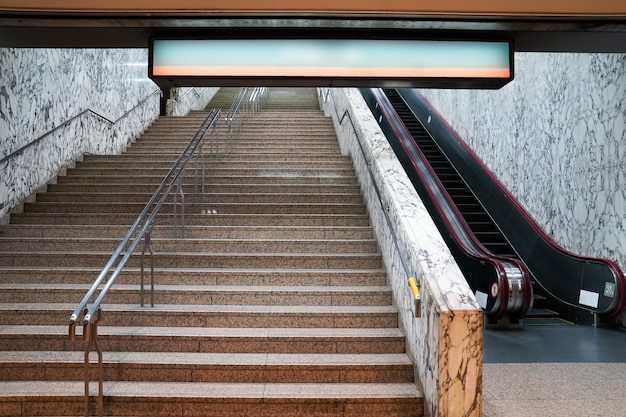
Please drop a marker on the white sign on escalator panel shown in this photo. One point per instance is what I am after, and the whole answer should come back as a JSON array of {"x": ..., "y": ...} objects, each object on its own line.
[
  {"x": 481, "y": 297},
  {"x": 588, "y": 298}
]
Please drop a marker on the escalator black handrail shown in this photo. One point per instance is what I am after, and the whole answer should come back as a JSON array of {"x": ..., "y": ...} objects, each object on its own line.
[
  {"x": 614, "y": 269},
  {"x": 468, "y": 242}
]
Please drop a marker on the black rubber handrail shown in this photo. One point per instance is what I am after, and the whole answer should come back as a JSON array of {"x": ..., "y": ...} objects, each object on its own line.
[
  {"x": 70, "y": 120},
  {"x": 504, "y": 282},
  {"x": 562, "y": 274}
]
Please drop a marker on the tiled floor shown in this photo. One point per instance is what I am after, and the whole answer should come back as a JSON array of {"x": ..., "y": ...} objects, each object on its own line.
[{"x": 554, "y": 371}]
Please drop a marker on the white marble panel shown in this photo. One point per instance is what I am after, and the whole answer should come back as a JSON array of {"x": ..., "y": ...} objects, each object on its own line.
[
  {"x": 556, "y": 138},
  {"x": 41, "y": 89},
  {"x": 183, "y": 100},
  {"x": 446, "y": 342}
]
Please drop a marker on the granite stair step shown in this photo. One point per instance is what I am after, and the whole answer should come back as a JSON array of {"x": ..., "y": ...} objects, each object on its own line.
[
  {"x": 265, "y": 175},
  {"x": 126, "y": 338},
  {"x": 191, "y": 232},
  {"x": 227, "y": 177},
  {"x": 249, "y": 165},
  {"x": 214, "y": 219},
  {"x": 222, "y": 149},
  {"x": 295, "y": 142},
  {"x": 107, "y": 161},
  {"x": 324, "y": 135},
  {"x": 200, "y": 276},
  {"x": 224, "y": 161},
  {"x": 199, "y": 208},
  {"x": 215, "y": 187},
  {"x": 172, "y": 315},
  {"x": 211, "y": 367},
  {"x": 205, "y": 294},
  {"x": 159, "y": 245},
  {"x": 214, "y": 197},
  {"x": 159, "y": 399},
  {"x": 197, "y": 260},
  {"x": 216, "y": 166}
]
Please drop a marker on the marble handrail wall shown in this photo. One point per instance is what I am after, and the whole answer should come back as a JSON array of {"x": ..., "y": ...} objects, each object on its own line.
[
  {"x": 556, "y": 138},
  {"x": 183, "y": 100},
  {"x": 446, "y": 342},
  {"x": 41, "y": 89}
]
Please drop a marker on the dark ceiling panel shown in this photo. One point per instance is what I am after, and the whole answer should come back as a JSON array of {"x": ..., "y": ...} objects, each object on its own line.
[{"x": 529, "y": 35}]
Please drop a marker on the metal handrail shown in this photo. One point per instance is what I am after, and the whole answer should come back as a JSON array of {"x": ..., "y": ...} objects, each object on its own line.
[
  {"x": 413, "y": 283},
  {"x": 141, "y": 228},
  {"x": 233, "y": 117},
  {"x": 145, "y": 218},
  {"x": 243, "y": 106},
  {"x": 192, "y": 90},
  {"x": 257, "y": 98},
  {"x": 70, "y": 120}
]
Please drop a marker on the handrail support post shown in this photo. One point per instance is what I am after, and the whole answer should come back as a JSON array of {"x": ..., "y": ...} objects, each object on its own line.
[
  {"x": 90, "y": 334},
  {"x": 147, "y": 247},
  {"x": 179, "y": 193}
]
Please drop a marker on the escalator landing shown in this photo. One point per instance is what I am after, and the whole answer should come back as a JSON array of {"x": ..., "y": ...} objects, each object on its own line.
[{"x": 554, "y": 342}]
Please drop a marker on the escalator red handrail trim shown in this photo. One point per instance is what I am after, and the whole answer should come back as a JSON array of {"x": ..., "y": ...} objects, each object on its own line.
[
  {"x": 619, "y": 274},
  {"x": 504, "y": 290}
]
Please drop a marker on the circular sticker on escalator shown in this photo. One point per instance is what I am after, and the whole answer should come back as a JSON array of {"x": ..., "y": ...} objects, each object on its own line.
[{"x": 494, "y": 290}]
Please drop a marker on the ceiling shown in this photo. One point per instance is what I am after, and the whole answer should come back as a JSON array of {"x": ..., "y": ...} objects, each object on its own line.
[{"x": 574, "y": 33}]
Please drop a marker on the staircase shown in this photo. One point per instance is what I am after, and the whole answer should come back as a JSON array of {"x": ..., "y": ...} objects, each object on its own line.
[{"x": 275, "y": 304}]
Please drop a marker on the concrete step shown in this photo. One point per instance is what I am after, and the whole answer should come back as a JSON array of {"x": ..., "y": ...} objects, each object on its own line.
[
  {"x": 205, "y": 294},
  {"x": 215, "y": 400},
  {"x": 211, "y": 367},
  {"x": 173, "y": 315},
  {"x": 239, "y": 339}
]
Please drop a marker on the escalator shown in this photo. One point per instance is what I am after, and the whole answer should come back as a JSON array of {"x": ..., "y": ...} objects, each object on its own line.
[
  {"x": 501, "y": 283},
  {"x": 584, "y": 289},
  {"x": 476, "y": 217}
]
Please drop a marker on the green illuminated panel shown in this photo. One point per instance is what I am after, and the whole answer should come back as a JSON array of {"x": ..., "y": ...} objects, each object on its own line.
[{"x": 330, "y": 59}]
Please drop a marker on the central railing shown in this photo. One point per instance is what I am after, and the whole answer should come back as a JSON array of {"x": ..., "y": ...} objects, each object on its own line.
[
  {"x": 88, "y": 313},
  {"x": 247, "y": 102}
]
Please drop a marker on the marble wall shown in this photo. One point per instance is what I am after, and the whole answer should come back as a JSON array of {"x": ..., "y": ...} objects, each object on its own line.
[
  {"x": 446, "y": 341},
  {"x": 183, "y": 100},
  {"x": 556, "y": 138},
  {"x": 98, "y": 100}
]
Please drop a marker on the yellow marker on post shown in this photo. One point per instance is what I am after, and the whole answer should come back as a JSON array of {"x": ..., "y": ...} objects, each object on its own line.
[{"x": 417, "y": 297}]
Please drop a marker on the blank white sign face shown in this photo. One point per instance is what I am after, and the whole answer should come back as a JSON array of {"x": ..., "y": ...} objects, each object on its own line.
[{"x": 331, "y": 58}]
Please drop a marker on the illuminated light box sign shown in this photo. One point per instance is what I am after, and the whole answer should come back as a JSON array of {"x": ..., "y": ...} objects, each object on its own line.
[{"x": 331, "y": 62}]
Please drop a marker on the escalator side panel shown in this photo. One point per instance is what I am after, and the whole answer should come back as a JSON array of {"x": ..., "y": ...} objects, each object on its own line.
[
  {"x": 482, "y": 272},
  {"x": 560, "y": 272}
]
